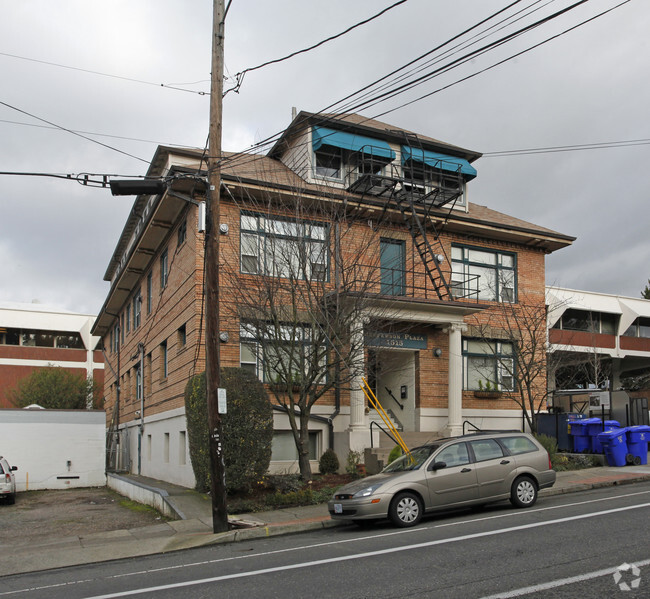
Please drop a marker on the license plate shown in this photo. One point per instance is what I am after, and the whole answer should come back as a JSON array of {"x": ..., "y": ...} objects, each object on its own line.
[{"x": 338, "y": 508}]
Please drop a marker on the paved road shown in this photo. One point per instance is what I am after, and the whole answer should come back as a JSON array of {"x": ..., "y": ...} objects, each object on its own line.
[{"x": 566, "y": 546}]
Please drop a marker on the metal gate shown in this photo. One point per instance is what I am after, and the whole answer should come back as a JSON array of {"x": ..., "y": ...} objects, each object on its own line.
[{"x": 118, "y": 458}]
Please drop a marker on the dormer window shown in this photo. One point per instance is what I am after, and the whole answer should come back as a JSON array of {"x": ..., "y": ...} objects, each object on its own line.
[
  {"x": 328, "y": 162},
  {"x": 338, "y": 153},
  {"x": 434, "y": 177}
]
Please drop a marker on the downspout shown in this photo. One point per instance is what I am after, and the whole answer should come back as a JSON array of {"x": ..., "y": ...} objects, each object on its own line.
[{"x": 141, "y": 391}]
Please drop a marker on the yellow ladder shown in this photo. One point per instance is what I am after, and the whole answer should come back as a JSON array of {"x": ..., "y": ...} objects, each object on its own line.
[{"x": 374, "y": 402}]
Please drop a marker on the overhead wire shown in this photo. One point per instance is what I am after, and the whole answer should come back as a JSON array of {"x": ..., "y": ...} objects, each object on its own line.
[
  {"x": 606, "y": 145},
  {"x": 241, "y": 74},
  {"x": 241, "y": 157},
  {"x": 73, "y": 132},
  {"x": 149, "y": 141},
  {"x": 321, "y": 113},
  {"x": 509, "y": 58},
  {"x": 92, "y": 72},
  {"x": 465, "y": 58}
]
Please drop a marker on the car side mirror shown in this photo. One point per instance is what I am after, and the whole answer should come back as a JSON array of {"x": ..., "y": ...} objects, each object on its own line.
[
  {"x": 14, "y": 467},
  {"x": 438, "y": 466}
]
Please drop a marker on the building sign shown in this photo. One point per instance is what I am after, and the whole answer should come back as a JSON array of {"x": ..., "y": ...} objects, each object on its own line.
[{"x": 396, "y": 340}]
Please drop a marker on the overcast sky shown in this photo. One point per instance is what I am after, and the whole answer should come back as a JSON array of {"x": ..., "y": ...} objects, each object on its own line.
[{"x": 589, "y": 86}]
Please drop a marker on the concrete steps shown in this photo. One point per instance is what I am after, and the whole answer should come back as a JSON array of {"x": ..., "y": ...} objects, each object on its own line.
[{"x": 376, "y": 458}]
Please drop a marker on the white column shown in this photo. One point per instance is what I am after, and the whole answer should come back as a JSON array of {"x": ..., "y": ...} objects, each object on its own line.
[
  {"x": 455, "y": 388},
  {"x": 357, "y": 404}
]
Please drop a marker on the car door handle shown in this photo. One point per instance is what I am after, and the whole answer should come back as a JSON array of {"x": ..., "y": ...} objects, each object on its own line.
[
  {"x": 505, "y": 462},
  {"x": 466, "y": 470}
]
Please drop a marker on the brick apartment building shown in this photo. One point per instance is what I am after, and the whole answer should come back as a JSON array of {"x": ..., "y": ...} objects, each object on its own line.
[
  {"x": 375, "y": 218},
  {"x": 33, "y": 336}
]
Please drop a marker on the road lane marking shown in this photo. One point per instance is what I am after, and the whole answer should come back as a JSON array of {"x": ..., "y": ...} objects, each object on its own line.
[
  {"x": 541, "y": 509},
  {"x": 561, "y": 582},
  {"x": 326, "y": 544},
  {"x": 364, "y": 555}
]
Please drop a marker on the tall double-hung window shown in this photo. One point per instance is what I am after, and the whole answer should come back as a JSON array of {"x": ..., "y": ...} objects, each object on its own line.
[
  {"x": 488, "y": 364},
  {"x": 282, "y": 354},
  {"x": 484, "y": 274},
  {"x": 283, "y": 248}
]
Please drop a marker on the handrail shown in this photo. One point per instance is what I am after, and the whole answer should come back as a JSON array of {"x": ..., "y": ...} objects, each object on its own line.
[
  {"x": 476, "y": 428},
  {"x": 368, "y": 392},
  {"x": 381, "y": 428},
  {"x": 401, "y": 406}
]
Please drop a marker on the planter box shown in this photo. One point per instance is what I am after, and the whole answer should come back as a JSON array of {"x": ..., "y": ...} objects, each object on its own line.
[
  {"x": 488, "y": 394},
  {"x": 283, "y": 387}
]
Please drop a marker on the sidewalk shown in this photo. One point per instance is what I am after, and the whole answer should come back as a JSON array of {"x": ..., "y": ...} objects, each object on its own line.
[{"x": 194, "y": 528}]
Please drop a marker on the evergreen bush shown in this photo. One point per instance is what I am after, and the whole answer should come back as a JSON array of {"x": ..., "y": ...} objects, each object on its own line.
[
  {"x": 329, "y": 462},
  {"x": 247, "y": 429},
  {"x": 395, "y": 453}
]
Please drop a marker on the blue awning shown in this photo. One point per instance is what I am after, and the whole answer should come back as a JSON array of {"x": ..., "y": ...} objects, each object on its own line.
[
  {"x": 440, "y": 161},
  {"x": 321, "y": 136}
]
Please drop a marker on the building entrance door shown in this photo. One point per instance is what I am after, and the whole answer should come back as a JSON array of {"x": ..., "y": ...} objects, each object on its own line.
[{"x": 391, "y": 375}]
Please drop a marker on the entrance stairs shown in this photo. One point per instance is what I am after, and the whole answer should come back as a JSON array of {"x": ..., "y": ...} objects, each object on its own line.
[{"x": 377, "y": 457}]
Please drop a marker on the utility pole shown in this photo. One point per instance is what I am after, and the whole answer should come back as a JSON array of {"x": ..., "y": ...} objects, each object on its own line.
[{"x": 211, "y": 283}]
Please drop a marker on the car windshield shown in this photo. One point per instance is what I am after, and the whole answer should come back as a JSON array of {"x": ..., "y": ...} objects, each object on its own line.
[{"x": 411, "y": 461}]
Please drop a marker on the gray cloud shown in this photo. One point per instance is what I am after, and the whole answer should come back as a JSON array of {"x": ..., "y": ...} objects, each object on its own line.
[{"x": 56, "y": 237}]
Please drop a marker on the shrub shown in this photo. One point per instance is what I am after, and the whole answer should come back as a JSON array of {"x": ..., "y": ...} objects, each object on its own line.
[
  {"x": 247, "y": 429},
  {"x": 284, "y": 483},
  {"x": 395, "y": 453},
  {"x": 548, "y": 443},
  {"x": 329, "y": 462},
  {"x": 354, "y": 458}
]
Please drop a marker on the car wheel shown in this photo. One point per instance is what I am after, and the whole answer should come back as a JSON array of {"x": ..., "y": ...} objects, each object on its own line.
[
  {"x": 523, "y": 492},
  {"x": 405, "y": 510},
  {"x": 11, "y": 499}
]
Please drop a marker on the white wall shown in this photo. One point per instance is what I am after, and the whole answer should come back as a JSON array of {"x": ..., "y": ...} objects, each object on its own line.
[
  {"x": 164, "y": 452},
  {"x": 55, "y": 449}
]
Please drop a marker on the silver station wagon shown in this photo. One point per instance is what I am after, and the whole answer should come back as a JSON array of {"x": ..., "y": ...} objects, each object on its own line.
[{"x": 462, "y": 471}]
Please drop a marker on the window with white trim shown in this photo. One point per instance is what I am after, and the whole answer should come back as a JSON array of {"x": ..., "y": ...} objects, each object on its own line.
[
  {"x": 283, "y": 248},
  {"x": 488, "y": 364},
  {"x": 280, "y": 354},
  {"x": 283, "y": 448},
  {"x": 483, "y": 274},
  {"x": 328, "y": 162}
]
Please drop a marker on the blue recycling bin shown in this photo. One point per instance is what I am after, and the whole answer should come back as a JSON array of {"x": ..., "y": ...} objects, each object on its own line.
[
  {"x": 580, "y": 434},
  {"x": 614, "y": 443},
  {"x": 637, "y": 444},
  {"x": 595, "y": 428}
]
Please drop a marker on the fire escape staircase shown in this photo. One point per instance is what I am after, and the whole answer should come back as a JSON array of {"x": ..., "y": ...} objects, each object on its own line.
[{"x": 415, "y": 194}]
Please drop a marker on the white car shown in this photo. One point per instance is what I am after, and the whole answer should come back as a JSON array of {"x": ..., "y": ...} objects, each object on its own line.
[{"x": 7, "y": 481}]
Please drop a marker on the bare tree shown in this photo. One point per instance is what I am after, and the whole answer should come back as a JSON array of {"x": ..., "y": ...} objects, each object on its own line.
[
  {"x": 303, "y": 277},
  {"x": 514, "y": 336}
]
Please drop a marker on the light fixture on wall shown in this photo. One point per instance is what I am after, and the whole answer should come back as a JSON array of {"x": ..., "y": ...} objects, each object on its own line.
[
  {"x": 437, "y": 352},
  {"x": 224, "y": 336}
]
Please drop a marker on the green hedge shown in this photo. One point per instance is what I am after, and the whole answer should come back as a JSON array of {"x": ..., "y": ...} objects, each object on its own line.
[{"x": 247, "y": 429}]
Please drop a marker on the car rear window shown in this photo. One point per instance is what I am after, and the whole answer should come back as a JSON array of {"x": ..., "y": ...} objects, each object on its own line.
[{"x": 517, "y": 445}]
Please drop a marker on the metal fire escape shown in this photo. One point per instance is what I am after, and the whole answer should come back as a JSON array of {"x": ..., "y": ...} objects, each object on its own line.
[{"x": 415, "y": 192}]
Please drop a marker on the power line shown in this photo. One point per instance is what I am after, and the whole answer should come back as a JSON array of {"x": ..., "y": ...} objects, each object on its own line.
[
  {"x": 457, "y": 62},
  {"x": 133, "y": 80},
  {"x": 240, "y": 76},
  {"x": 73, "y": 132},
  {"x": 509, "y": 58},
  {"x": 149, "y": 141},
  {"x": 605, "y": 145}
]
